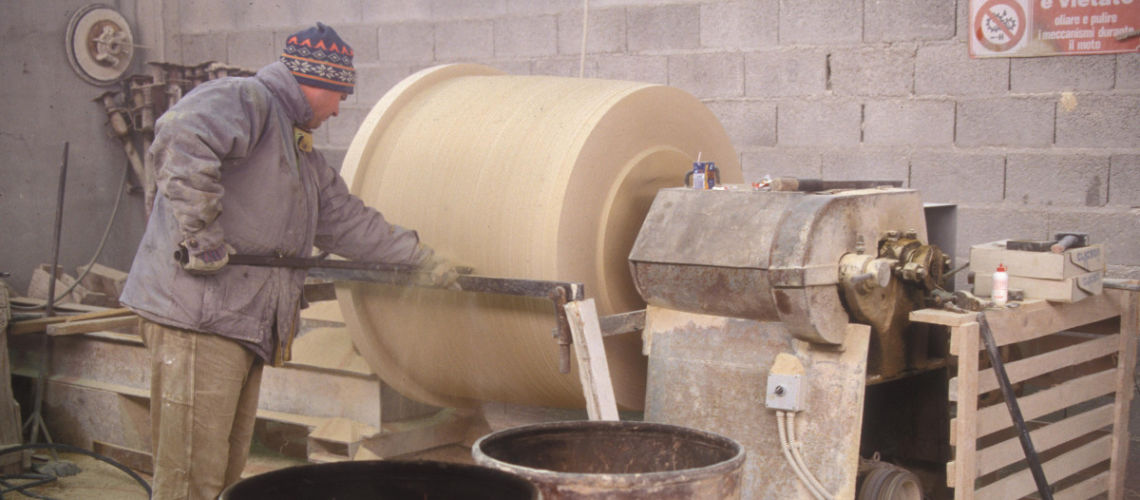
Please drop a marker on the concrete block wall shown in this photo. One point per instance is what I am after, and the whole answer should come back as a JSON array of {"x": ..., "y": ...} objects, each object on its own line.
[
  {"x": 838, "y": 89},
  {"x": 832, "y": 89}
]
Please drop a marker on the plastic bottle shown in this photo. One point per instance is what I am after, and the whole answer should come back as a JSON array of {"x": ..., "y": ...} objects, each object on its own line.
[{"x": 1000, "y": 293}]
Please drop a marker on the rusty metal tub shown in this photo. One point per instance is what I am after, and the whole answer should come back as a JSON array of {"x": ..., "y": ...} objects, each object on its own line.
[{"x": 616, "y": 460}]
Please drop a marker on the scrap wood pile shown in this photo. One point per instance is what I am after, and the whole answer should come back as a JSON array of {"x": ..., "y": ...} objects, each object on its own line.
[{"x": 84, "y": 304}]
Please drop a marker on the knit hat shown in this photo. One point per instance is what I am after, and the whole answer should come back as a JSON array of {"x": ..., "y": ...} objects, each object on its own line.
[{"x": 319, "y": 58}]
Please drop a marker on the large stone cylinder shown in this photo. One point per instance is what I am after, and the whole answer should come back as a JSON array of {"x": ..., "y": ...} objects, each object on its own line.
[{"x": 529, "y": 177}]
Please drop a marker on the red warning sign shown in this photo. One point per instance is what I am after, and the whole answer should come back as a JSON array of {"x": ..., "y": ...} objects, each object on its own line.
[{"x": 1029, "y": 28}]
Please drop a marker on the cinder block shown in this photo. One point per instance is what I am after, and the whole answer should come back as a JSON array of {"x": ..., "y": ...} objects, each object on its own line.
[
  {"x": 562, "y": 66},
  {"x": 516, "y": 66},
  {"x": 526, "y": 36},
  {"x": 718, "y": 74},
  {"x": 197, "y": 49},
  {"x": 534, "y": 7},
  {"x": 962, "y": 30},
  {"x": 956, "y": 177},
  {"x": 780, "y": 162},
  {"x": 1056, "y": 179},
  {"x": 1026, "y": 122},
  {"x": 1124, "y": 180},
  {"x": 413, "y": 41},
  {"x": 943, "y": 69},
  {"x": 607, "y": 31},
  {"x": 374, "y": 80},
  {"x": 663, "y": 29},
  {"x": 739, "y": 25},
  {"x": 446, "y": 10},
  {"x": 363, "y": 40},
  {"x": 872, "y": 71},
  {"x": 907, "y": 20},
  {"x": 342, "y": 128},
  {"x": 816, "y": 22},
  {"x": 1117, "y": 228},
  {"x": 194, "y": 20},
  {"x": 1100, "y": 121},
  {"x": 982, "y": 223},
  {"x": 336, "y": 13},
  {"x": 906, "y": 122},
  {"x": 818, "y": 123},
  {"x": 1049, "y": 74},
  {"x": 785, "y": 73},
  {"x": 464, "y": 40},
  {"x": 884, "y": 165},
  {"x": 651, "y": 69},
  {"x": 389, "y": 11},
  {"x": 1128, "y": 273},
  {"x": 1128, "y": 77},
  {"x": 749, "y": 124},
  {"x": 250, "y": 49}
]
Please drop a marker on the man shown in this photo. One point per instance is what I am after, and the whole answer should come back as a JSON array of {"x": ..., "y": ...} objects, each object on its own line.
[{"x": 236, "y": 172}]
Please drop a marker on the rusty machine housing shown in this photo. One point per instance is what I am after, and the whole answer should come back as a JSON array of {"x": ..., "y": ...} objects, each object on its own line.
[{"x": 736, "y": 278}]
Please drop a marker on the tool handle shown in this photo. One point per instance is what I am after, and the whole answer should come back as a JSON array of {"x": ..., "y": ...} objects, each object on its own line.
[{"x": 182, "y": 256}]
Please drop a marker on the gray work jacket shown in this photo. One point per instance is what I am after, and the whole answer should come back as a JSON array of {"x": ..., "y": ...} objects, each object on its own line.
[{"x": 229, "y": 170}]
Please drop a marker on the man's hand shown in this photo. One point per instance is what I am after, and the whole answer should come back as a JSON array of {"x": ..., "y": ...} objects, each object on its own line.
[
  {"x": 441, "y": 270},
  {"x": 208, "y": 262}
]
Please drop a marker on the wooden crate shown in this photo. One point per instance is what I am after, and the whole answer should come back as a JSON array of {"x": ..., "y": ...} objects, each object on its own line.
[{"x": 1075, "y": 394}]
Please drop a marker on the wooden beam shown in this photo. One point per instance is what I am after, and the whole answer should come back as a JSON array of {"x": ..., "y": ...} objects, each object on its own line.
[
  {"x": 135, "y": 459},
  {"x": 1025, "y": 369},
  {"x": 961, "y": 474},
  {"x": 1021, "y": 483},
  {"x": 995, "y": 418},
  {"x": 92, "y": 325},
  {"x": 1009, "y": 451},
  {"x": 1126, "y": 365},
  {"x": 593, "y": 370},
  {"x": 41, "y": 324}
]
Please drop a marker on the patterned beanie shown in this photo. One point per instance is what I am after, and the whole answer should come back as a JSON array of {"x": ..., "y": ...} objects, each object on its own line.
[{"x": 319, "y": 58}]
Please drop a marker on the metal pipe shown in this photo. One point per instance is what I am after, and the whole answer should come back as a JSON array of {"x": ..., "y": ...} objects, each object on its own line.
[{"x": 36, "y": 419}]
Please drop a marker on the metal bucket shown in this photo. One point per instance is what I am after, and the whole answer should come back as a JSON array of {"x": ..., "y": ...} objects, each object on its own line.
[
  {"x": 383, "y": 480},
  {"x": 616, "y": 460}
]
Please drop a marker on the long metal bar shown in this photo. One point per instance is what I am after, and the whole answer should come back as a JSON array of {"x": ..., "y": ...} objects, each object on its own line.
[
  {"x": 36, "y": 419},
  {"x": 1031, "y": 456},
  {"x": 558, "y": 292}
]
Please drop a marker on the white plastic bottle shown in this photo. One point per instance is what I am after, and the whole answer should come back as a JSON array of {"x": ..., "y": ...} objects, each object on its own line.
[{"x": 1000, "y": 293}]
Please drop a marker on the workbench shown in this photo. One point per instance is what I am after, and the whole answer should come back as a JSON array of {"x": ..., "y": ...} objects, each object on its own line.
[{"x": 1071, "y": 366}]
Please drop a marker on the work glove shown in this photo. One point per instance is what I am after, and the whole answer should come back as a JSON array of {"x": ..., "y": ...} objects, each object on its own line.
[
  {"x": 209, "y": 261},
  {"x": 440, "y": 270}
]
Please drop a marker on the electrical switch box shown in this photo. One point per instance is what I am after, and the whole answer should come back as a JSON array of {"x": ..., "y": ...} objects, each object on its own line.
[{"x": 786, "y": 384}]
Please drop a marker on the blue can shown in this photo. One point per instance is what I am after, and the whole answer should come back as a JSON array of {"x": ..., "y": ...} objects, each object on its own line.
[{"x": 704, "y": 175}]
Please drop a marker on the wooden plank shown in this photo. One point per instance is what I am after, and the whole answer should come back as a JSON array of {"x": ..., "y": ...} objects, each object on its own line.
[
  {"x": 1009, "y": 451},
  {"x": 92, "y": 325},
  {"x": 1020, "y": 484},
  {"x": 31, "y": 302},
  {"x": 994, "y": 418},
  {"x": 135, "y": 459},
  {"x": 1129, "y": 331},
  {"x": 1086, "y": 489},
  {"x": 593, "y": 370},
  {"x": 965, "y": 425},
  {"x": 1036, "y": 318},
  {"x": 942, "y": 317},
  {"x": 1025, "y": 369},
  {"x": 41, "y": 324},
  {"x": 10, "y": 425}
]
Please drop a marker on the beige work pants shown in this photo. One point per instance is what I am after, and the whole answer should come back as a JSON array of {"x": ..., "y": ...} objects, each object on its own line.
[{"x": 203, "y": 395}]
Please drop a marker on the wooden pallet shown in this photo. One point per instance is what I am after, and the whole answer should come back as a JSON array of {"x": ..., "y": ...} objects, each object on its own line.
[{"x": 1072, "y": 367}]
